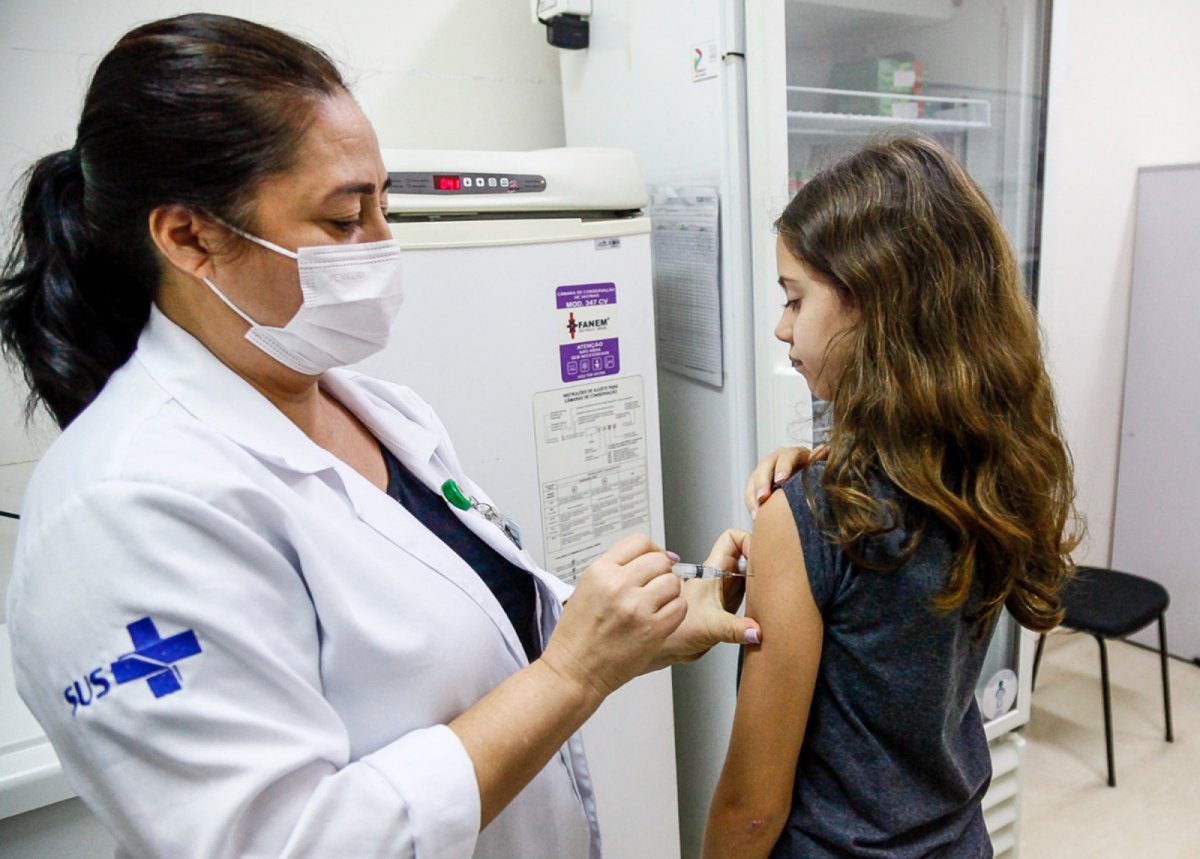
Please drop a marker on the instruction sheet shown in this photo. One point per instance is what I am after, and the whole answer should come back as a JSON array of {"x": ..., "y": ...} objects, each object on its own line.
[{"x": 593, "y": 471}]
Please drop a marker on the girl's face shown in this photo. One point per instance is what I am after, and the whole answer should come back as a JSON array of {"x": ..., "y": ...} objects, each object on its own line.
[{"x": 815, "y": 323}]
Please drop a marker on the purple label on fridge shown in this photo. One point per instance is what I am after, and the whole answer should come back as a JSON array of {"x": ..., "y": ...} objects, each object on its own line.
[
  {"x": 590, "y": 359},
  {"x": 588, "y": 346},
  {"x": 585, "y": 295}
]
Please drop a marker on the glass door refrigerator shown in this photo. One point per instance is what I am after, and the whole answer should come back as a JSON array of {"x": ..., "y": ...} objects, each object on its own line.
[
  {"x": 747, "y": 98},
  {"x": 826, "y": 76}
]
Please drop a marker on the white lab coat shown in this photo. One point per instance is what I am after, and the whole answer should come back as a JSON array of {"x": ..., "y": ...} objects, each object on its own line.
[{"x": 337, "y": 636}]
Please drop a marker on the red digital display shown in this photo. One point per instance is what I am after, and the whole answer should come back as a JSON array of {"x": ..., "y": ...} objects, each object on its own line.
[{"x": 447, "y": 183}]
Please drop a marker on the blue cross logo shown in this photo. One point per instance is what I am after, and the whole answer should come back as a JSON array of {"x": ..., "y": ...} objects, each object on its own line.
[{"x": 154, "y": 657}]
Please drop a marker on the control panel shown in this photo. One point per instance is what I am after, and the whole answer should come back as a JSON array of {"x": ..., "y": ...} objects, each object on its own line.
[{"x": 461, "y": 184}]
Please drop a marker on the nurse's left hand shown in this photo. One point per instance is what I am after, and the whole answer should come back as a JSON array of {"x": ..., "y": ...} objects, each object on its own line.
[{"x": 711, "y": 602}]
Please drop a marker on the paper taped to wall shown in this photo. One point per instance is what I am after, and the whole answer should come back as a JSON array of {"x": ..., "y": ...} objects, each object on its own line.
[{"x": 687, "y": 281}]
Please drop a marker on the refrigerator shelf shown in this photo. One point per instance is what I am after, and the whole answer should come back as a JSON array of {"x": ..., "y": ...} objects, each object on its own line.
[{"x": 941, "y": 112}]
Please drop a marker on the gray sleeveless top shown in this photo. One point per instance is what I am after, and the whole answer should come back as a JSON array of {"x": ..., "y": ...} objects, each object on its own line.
[{"x": 894, "y": 762}]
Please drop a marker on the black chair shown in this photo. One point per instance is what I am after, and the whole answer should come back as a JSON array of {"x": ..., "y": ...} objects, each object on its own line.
[{"x": 1110, "y": 604}]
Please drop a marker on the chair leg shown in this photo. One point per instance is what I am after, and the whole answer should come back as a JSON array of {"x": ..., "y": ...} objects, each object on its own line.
[
  {"x": 1108, "y": 729},
  {"x": 1037, "y": 660},
  {"x": 1166, "y": 680}
]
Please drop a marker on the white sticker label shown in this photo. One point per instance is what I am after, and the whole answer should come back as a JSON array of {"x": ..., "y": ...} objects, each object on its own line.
[
  {"x": 999, "y": 695},
  {"x": 706, "y": 62},
  {"x": 904, "y": 79},
  {"x": 593, "y": 470}
]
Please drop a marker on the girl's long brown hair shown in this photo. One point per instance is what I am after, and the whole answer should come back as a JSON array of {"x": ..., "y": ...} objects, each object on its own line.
[{"x": 944, "y": 389}]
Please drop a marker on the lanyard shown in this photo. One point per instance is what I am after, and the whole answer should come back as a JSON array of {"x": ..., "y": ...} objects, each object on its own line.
[{"x": 457, "y": 498}]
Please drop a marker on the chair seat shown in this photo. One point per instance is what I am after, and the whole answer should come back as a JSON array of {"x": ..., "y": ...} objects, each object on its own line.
[{"x": 1111, "y": 603}]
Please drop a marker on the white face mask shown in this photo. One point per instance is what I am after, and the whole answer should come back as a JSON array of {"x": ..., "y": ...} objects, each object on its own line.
[{"x": 352, "y": 294}]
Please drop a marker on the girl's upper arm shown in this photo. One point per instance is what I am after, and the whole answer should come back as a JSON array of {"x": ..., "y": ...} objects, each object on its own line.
[{"x": 754, "y": 793}]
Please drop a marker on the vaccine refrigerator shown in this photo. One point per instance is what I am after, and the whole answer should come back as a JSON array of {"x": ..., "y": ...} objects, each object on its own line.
[
  {"x": 745, "y": 99},
  {"x": 528, "y": 325}
]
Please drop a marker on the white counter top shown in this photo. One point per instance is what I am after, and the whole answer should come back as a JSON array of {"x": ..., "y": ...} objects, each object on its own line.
[{"x": 30, "y": 774}]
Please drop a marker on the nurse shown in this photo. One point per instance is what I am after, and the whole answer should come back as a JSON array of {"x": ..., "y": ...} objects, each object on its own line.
[{"x": 238, "y": 640}]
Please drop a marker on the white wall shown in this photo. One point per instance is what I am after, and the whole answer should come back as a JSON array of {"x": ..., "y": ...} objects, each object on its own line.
[
  {"x": 1124, "y": 93},
  {"x": 458, "y": 74}
]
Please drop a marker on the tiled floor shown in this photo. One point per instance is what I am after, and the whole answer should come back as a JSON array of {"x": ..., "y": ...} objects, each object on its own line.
[{"x": 1067, "y": 808}]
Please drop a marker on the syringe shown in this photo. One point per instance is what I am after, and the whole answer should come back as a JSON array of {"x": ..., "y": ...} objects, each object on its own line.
[{"x": 701, "y": 571}]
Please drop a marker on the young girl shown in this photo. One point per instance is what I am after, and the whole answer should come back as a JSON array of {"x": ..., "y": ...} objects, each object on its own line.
[{"x": 878, "y": 573}]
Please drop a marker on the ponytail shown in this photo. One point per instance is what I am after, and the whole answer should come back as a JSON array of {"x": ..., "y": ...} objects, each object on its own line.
[
  {"x": 58, "y": 316},
  {"x": 194, "y": 111}
]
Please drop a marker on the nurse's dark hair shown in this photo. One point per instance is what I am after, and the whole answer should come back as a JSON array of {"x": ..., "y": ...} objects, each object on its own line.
[
  {"x": 195, "y": 111},
  {"x": 944, "y": 389}
]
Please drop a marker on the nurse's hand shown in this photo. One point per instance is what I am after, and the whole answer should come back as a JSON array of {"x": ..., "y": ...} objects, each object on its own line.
[
  {"x": 776, "y": 467},
  {"x": 711, "y": 603},
  {"x": 624, "y": 606}
]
